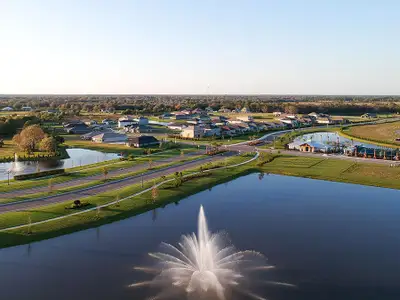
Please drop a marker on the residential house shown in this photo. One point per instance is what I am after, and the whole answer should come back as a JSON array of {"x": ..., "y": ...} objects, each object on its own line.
[
  {"x": 224, "y": 110},
  {"x": 369, "y": 116},
  {"x": 245, "y": 118},
  {"x": 193, "y": 131},
  {"x": 245, "y": 110},
  {"x": 277, "y": 113},
  {"x": 88, "y": 136},
  {"x": 166, "y": 116},
  {"x": 176, "y": 126},
  {"x": 7, "y": 109},
  {"x": 290, "y": 122},
  {"x": 90, "y": 122},
  {"x": 142, "y": 141},
  {"x": 182, "y": 116},
  {"x": 53, "y": 111},
  {"x": 136, "y": 128},
  {"x": 27, "y": 108},
  {"x": 209, "y": 110},
  {"x": 211, "y": 130},
  {"x": 143, "y": 121},
  {"x": 110, "y": 137},
  {"x": 324, "y": 120},
  {"x": 124, "y": 121},
  {"x": 78, "y": 129}
]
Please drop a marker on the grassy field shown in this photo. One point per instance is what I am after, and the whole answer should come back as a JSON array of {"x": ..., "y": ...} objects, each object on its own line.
[{"x": 383, "y": 133}]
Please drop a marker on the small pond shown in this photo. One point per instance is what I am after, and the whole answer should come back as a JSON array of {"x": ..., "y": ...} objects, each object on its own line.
[
  {"x": 334, "y": 241},
  {"x": 77, "y": 157}
]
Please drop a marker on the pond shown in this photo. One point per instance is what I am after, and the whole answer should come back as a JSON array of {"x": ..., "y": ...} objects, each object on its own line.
[
  {"x": 334, "y": 241},
  {"x": 77, "y": 157}
]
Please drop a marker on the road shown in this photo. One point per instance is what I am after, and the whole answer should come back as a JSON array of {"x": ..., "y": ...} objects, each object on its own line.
[
  {"x": 85, "y": 180},
  {"x": 106, "y": 187}
]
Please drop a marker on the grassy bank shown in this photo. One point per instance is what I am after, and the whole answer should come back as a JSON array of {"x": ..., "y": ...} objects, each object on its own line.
[{"x": 139, "y": 204}]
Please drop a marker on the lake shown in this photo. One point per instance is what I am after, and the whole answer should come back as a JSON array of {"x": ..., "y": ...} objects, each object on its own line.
[
  {"x": 77, "y": 157},
  {"x": 332, "y": 240}
]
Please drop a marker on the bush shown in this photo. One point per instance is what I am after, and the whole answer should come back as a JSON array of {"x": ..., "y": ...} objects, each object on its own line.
[
  {"x": 77, "y": 204},
  {"x": 39, "y": 174}
]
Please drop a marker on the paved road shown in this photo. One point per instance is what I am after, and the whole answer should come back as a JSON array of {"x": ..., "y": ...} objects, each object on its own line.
[
  {"x": 84, "y": 180},
  {"x": 109, "y": 186}
]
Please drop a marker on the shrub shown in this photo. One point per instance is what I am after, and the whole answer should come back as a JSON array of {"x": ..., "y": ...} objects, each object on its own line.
[{"x": 39, "y": 174}]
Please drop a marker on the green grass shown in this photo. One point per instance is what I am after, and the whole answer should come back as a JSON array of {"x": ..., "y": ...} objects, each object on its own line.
[
  {"x": 89, "y": 170},
  {"x": 136, "y": 205},
  {"x": 336, "y": 170}
]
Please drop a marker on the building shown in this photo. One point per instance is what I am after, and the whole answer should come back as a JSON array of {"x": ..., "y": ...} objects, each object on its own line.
[
  {"x": 122, "y": 122},
  {"x": 27, "y": 108},
  {"x": 88, "y": 136},
  {"x": 142, "y": 141},
  {"x": 77, "y": 129},
  {"x": 110, "y": 137},
  {"x": 311, "y": 146},
  {"x": 212, "y": 130},
  {"x": 182, "y": 116},
  {"x": 277, "y": 113},
  {"x": 194, "y": 131},
  {"x": 143, "y": 121},
  {"x": 7, "y": 109},
  {"x": 369, "y": 116},
  {"x": 245, "y": 110},
  {"x": 324, "y": 120},
  {"x": 245, "y": 118}
]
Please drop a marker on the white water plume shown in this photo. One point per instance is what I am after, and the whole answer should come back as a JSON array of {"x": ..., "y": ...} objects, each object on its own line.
[{"x": 204, "y": 266}]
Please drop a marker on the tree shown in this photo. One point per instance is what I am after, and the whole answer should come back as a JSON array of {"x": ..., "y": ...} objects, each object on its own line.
[
  {"x": 48, "y": 144},
  {"x": 105, "y": 172},
  {"x": 29, "y": 138},
  {"x": 154, "y": 193},
  {"x": 1, "y": 143}
]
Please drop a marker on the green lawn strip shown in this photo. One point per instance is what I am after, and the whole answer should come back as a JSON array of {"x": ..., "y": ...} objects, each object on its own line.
[
  {"x": 336, "y": 170},
  {"x": 85, "y": 172},
  {"x": 96, "y": 182},
  {"x": 347, "y": 134},
  {"x": 126, "y": 208}
]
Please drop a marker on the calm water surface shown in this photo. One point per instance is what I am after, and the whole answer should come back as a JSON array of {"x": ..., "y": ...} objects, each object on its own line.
[
  {"x": 333, "y": 240},
  {"x": 77, "y": 157}
]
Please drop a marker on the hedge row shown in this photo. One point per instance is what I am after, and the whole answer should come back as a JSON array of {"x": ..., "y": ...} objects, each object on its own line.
[{"x": 39, "y": 174}]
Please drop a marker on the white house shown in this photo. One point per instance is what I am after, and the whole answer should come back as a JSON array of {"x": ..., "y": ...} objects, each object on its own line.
[
  {"x": 123, "y": 121},
  {"x": 7, "y": 109},
  {"x": 192, "y": 132}
]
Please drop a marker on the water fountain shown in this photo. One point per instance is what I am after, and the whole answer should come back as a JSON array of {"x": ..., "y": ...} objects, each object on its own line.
[
  {"x": 16, "y": 166},
  {"x": 205, "y": 266}
]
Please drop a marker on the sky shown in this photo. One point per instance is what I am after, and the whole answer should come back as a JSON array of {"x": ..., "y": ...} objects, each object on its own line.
[{"x": 332, "y": 47}]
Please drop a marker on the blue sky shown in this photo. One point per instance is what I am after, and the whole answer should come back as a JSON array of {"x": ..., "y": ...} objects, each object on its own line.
[{"x": 198, "y": 47}]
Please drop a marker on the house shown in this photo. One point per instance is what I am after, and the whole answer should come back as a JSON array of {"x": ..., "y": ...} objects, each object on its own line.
[
  {"x": 136, "y": 128},
  {"x": 176, "y": 126},
  {"x": 245, "y": 118},
  {"x": 314, "y": 114},
  {"x": 194, "y": 131},
  {"x": 369, "y": 116},
  {"x": 108, "y": 122},
  {"x": 110, "y": 137},
  {"x": 291, "y": 122},
  {"x": 123, "y": 121},
  {"x": 182, "y": 116},
  {"x": 277, "y": 113},
  {"x": 212, "y": 130},
  {"x": 90, "y": 122},
  {"x": 71, "y": 124},
  {"x": 53, "y": 111},
  {"x": 324, "y": 120},
  {"x": 88, "y": 136},
  {"x": 7, "y": 109},
  {"x": 209, "y": 110},
  {"x": 245, "y": 110},
  {"x": 312, "y": 146},
  {"x": 166, "y": 116},
  {"x": 224, "y": 110},
  {"x": 143, "y": 121},
  {"x": 78, "y": 129},
  {"x": 142, "y": 141},
  {"x": 27, "y": 108},
  {"x": 227, "y": 130}
]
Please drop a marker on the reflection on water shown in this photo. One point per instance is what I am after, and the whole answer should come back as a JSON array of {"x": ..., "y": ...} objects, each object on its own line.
[
  {"x": 334, "y": 241},
  {"x": 77, "y": 157}
]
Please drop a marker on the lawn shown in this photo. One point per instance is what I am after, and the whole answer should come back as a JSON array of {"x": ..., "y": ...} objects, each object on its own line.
[
  {"x": 383, "y": 133},
  {"x": 8, "y": 150},
  {"x": 166, "y": 194}
]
